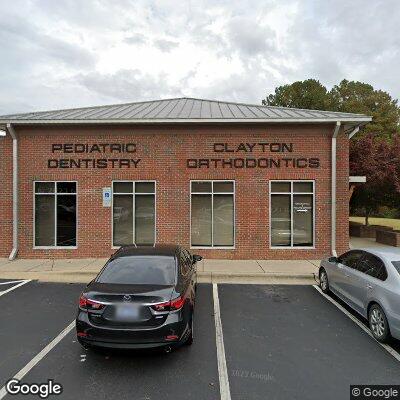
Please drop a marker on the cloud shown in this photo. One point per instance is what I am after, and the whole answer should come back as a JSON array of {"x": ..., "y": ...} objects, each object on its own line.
[
  {"x": 70, "y": 53},
  {"x": 165, "y": 45},
  {"x": 136, "y": 38},
  {"x": 129, "y": 85}
]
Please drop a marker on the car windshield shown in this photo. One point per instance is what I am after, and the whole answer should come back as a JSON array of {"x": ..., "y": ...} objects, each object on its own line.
[
  {"x": 396, "y": 265},
  {"x": 140, "y": 270}
]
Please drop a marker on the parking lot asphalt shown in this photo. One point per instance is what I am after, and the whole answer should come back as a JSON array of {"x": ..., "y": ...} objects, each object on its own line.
[{"x": 280, "y": 342}]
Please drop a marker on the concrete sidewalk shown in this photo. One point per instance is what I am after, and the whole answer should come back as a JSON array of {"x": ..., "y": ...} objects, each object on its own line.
[{"x": 215, "y": 271}]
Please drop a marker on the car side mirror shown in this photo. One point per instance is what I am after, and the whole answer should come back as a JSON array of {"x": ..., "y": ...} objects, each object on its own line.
[
  {"x": 196, "y": 258},
  {"x": 333, "y": 259}
]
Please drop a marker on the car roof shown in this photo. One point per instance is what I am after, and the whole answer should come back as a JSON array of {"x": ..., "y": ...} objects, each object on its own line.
[
  {"x": 151, "y": 250},
  {"x": 391, "y": 254}
]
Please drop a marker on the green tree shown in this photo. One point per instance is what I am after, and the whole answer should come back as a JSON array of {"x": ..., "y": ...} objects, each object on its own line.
[
  {"x": 309, "y": 94},
  {"x": 362, "y": 98},
  {"x": 347, "y": 96}
]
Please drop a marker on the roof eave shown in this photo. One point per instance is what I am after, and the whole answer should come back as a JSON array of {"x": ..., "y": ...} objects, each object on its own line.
[{"x": 355, "y": 121}]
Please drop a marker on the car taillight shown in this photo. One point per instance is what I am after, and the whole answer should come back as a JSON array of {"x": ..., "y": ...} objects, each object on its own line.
[
  {"x": 173, "y": 305},
  {"x": 88, "y": 304}
]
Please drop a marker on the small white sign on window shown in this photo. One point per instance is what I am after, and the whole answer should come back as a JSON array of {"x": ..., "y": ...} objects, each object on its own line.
[{"x": 107, "y": 197}]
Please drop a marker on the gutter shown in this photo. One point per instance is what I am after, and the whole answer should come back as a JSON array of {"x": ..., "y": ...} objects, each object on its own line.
[
  {"x": 155, "y": 121},
  {"x": 333, "y": 188},
  {"x": 13, "y": 134}
]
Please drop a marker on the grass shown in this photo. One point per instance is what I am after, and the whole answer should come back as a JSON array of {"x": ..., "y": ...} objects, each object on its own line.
[{"x": 394, "y": 223}]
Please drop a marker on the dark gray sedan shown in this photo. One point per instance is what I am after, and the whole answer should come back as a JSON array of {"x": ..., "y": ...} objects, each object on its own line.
[{"x": 368, "y": 280}]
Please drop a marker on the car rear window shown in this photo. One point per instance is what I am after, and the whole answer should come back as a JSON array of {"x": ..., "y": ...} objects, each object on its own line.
[
  {"x": 396, "y": 265},
  {"x": 141, "y": 270}
]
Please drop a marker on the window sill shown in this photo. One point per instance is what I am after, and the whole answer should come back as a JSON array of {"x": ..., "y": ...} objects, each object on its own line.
[
  {"x": 213, "y": 247},
  {"x": 292, "y": 247},
  {"x": 55, "y": 247}
]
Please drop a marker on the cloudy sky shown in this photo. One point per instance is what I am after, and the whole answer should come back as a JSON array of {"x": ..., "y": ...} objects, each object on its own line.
[{"x": 71, "y": 53}]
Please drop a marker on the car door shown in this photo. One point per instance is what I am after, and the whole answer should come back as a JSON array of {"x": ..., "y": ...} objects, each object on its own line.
[
  {"x": 371, "y": 271},
  {"x": 344, "y": 276}
]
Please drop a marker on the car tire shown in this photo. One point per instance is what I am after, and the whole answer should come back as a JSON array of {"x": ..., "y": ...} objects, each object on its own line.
[
  {"x": 323, "y": 280},
  {"x": 378, "y": 324},
  {"x": 189, "y": 340}
]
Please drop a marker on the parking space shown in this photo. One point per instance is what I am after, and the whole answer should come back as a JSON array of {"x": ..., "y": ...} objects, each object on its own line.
[
  {"x": 7, "y": 285},
  {"x": 280, "y": 342},
  {"x": 31, "y": 316},
  {"x": 189, "y": 373},
  {"x": 286, "y": 342}
]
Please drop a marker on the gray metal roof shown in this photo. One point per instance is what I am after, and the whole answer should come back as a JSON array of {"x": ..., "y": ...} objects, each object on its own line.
[{"x": 184, "y": 110}]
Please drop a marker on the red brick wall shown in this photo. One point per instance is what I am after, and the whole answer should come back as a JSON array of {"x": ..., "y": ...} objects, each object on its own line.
[
  {"x": 163, "y": 152},
  {"x": 5, "y": 196}
]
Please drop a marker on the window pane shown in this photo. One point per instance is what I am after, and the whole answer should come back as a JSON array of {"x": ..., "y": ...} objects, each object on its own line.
[
  {"x": 280, "y": 220},
  {"x": 144, "y": 219},
  {"x": 201, "y": 220},
  {"x": 283, "y": 187},
  {"x": 351, "y": 258},
  {"x": 303, "y": 220},
  {"x": 44, "y": 220},
  {"x": 123, "y": 219},
  {"x": 144, "y": 270},
  {"x": 66, "y": 220},
  {"x": 66, "y": 187},
  {"x": 223, "y": 220},
  {"x": 373, "y": 266},
  {"x": 303, "y": 187},
  {"x": 396, "y": 264},
  {"x": 144, "y": 187},
  {"x": 226, "y": 187},
  {"x": 201, "y": 187},
  {"x": 123, "y": 187},
  {"x": 44, "y": 187}
]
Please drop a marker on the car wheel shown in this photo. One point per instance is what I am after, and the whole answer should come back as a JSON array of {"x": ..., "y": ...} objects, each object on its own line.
[
  {"x": 378, "y": 324},
  {"x": 189, "y": 340},
  {"x": 323, "y": 280}
]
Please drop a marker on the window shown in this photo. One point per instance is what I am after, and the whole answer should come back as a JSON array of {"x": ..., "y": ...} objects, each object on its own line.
[
  {"x": 292, "y": 213},
  {"x": 351, "y": 258},
  {"x": 212, "y": 213},
  {"x": 373, "y": 266},
  {"x": 396, "y": 265},
  {"x": 134, "y": 213},
  {"x": 140, "y": 270},
  {"x": 55, "y": 214}
]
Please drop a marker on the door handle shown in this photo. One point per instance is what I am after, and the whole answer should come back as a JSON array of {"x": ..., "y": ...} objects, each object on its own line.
[
  {"x": 369, "y": 286},
  {"x": 347, "y": 275}
]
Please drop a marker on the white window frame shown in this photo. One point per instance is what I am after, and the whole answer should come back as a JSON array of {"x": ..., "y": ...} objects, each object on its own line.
[
  {"x": 133, "y": 206},
  {"x": 212, "y": 212},
  {"x": 55, "y": 194},
  {"x": 292, "y": 193}
]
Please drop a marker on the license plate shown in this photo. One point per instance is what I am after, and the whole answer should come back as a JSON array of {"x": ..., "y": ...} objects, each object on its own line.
[{"x": 127, "y": 312}]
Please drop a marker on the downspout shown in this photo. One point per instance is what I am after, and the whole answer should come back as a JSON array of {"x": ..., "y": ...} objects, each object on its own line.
[
  {"x": 333, "y": 188},
  {"x": 13, "y": 134}
]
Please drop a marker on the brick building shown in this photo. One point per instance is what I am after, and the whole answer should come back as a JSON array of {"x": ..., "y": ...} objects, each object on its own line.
[{"x": 229, "y": 180}]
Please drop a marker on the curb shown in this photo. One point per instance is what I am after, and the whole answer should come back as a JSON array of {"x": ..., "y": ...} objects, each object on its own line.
[
  {"x": 202, "y": 277},
  {"x": 256, "y": 278}
]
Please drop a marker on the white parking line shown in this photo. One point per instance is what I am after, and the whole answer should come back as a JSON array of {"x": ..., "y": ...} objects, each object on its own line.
[
  {"x": 10, "y": 282},
  {"x": 390, "y": 350},
  {"x": 219, "y": 338},
  {"x": 39, "y": 356},
  {"x": 14, "y": 287}
]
